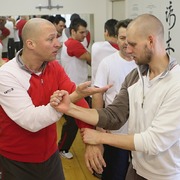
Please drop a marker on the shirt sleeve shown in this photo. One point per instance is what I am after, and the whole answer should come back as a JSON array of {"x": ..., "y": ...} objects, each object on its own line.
[
  {"x": 164, "y": 131},
  {"x": 88, "y": 37},
  {"x": 101, "y": 78},
  {"x": 66, "y": 84},
  {"x": 17, "y": 104},
  {"x": 75, "y": 48},
  {"x": 5, "y": 32},
  {"x": 115, "y": 115}
]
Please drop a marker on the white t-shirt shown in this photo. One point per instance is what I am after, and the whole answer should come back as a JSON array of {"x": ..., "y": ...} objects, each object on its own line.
[
  {"x": 99, "y": 51},
  {"x": 113, "y": 70},
  {"x": 76, "y": 69},
  {"x": 10, "y": 26}
]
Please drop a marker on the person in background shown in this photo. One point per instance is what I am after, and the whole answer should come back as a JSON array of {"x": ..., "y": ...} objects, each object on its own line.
[
  {"x": 28, "y": 143},
  {"x": 59, "y": 23},
  {"x": 16, "y": 37},
  {"x": 149, "y": 99},
  {"x": 10, "y": 24},
  {"x": 2, "y": 60},
  {"x": 112, "y": 70},
  {"x": 19, "y": 26},
  {"x": 66, "y": 32},
  {"x": 75, "y": 59},
  {"x": 1, "y": 48},
  {"x": 102, "y": 49},
  {"x": 4, "y": 35}
]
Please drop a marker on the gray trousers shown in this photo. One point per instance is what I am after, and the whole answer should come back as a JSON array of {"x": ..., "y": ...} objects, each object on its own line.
[
  {"x": 132, "y": 175},
  {"x": 48, "y": 170}
]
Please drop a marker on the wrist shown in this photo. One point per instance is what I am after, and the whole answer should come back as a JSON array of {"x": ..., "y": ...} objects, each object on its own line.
[
  {"x": 70, "y": 109},
  {"x": 75, "y": 96}
]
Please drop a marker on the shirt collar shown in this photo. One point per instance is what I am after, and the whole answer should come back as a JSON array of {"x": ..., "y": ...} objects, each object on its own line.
[
  {"x": 23, "y": 66},
  {"x": 172, "y": 63}
]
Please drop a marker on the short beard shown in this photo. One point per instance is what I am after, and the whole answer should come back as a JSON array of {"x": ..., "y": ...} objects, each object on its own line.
[{"x": 146, "y": 59}]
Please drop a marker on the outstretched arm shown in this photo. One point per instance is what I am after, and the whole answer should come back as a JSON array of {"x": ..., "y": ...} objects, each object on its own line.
[
  {"x": 61, "y": 101},
  {"x": 95, "y": 137},
  {"x": 85, "y": 89}
]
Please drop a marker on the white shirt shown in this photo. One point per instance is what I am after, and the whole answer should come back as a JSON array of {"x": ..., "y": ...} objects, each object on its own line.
[
  {"x": 99, "y": 51},
  {"x": 113, "y": 70}
]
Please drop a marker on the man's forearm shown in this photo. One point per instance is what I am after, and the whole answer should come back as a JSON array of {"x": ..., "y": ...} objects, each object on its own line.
[
  {"x": 74, "y": 97},
  {"x": 97, "y": 101},
  {"x": 118, "y": 140},
  {"x": 89, "y": 116}
]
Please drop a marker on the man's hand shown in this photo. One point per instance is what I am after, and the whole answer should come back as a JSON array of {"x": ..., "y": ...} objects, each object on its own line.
[
  {"x": 82, "y": 90},
  {"x": 91, "y": 136},
  {"x": 85, "y": 89},
  {"x": 60, "y": 101},
  {"x": 94, "y": 158}
]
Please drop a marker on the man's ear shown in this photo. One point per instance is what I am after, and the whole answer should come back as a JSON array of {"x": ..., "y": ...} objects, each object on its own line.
[
  {"x": 151, "y": 40},
  {"x": 73, "y": 32},
  {"x": 30, "y": 44},
  {"x": 106, "y": 33}
]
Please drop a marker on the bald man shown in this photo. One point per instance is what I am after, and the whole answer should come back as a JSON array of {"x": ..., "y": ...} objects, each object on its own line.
[
  {"x": 28, "y": 137},
  {"x": 149, "y": 99}
]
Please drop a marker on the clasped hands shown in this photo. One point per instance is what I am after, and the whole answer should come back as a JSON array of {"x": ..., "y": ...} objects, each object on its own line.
[{"x": 61, "y": 101}]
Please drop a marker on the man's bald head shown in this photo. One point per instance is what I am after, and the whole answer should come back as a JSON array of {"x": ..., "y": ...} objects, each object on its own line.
[
  {"x": 34, "y": 27},
  {"x": 147, "y": 24}
]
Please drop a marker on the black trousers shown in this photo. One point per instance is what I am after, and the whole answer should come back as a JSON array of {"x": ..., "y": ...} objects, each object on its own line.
[
  {"x": 17, "y": 46},
  {"x": 48, "y": 170},
  {"x": 69, "y": 131},
  {"x": 117, "y": 162},
  {"x": 4, "y": 54},
  {"x": 11, "y": 48}
]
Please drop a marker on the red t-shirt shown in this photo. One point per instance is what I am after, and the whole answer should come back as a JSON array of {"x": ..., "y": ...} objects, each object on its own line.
[
  {"x": 4, "y": 32},
  {"x": 75, "y": 48},
  {"x": 20, "y": 24}
]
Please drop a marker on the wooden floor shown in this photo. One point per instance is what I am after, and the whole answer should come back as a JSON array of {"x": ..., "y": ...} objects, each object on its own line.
[{"x": 75, "y": 169}]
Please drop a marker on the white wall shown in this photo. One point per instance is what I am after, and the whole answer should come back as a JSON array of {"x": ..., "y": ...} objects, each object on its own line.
[
  {"x": 118, "y": 10},
  {"x": 159, "y": 9},
  {"x": 99, "y": 8}
]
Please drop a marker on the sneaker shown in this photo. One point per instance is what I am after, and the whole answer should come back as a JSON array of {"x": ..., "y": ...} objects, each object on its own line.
[
  {"x": 99, "y": 176},
  {"x": 65, "y": 154}
]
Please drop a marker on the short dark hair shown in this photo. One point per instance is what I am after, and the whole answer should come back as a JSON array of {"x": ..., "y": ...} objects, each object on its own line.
[
  {"x": 56, "y": 19},
  {"x": 110, "y": 27},
  {"x": 51, "y": 19},
  {"x": 59, "y": 18},
  {"x": 76, "y": 23},
  {"x": 123, "y": 23},
  {"x": 74, "y": 16}
]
